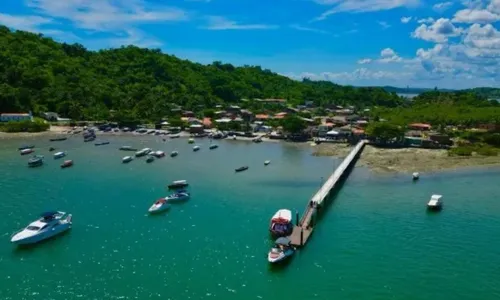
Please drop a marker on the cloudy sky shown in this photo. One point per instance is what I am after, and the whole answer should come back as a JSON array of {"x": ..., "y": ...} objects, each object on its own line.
[{"x": 421, "y": 43}]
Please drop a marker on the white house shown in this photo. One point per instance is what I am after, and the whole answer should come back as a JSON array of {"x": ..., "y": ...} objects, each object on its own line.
[{"x": 16, "y": 117}]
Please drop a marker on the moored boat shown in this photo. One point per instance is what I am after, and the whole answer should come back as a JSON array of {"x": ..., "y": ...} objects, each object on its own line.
[
  {"x": 180, "y": 195},
  {"x": 150, "y": 159},
  {"x": 281, "y": 223},
  {"x": 59, "y": 154},
  {"x": 66, "y": 164},
  {"x": 58, "y": 139},
  {"x": 415, "y": 176},
  {"x": 241, "y": 169},
  {"x": 435, "y": 203},
  {"x": 196, "y": 148},
  {"x": 175, "y": 136},
  {"x": 159, "y": 206},
  {"x": 143, "y": 152},
  {"x": 35, "y": 161},
  {"x": 281, "y": 250},
  {"x": 178, "y": 184},
  {"x": 191, "y": 141},
  {"x": 89, "y": 138},
  {"x": 26, "y": 151},
  {"x": 101, "y": 143},
  {"x": 51, "y": 149},
  {"x": 267, "y": 162},
  {"x": 174, "y": 154},
  {"x": 214, "y": 146},
  {"x": 23, "y": 147},
  {"x": 50, "y": 224},
  {"x": 158, "y": 154},
  {"x": 127, "y": 148},
  {"x": 127, "y": 159}
]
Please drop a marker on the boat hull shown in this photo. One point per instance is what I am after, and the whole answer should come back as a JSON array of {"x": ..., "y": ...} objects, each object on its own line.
[
  {"x": 434, "y": 207},
  {"x": 43, "y": 235},
  {"x": 177, "y": 199},
  {"x": 158, "y": 209},
  {"x": 283, "y": 256}
]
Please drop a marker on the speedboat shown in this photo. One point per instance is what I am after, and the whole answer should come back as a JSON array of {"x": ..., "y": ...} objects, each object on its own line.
[
  {"x": 35, "y": 161},
  {"x": 58, "y": 139},
  {"x": 127, "y": 159},
  {"x": 241, "y": 169},
  {"x": 50, "y": 224},
  {"x": 159, "y": 206},
  {"x": 178, "y": 196},
  {"x": 150, "y": 159},
  {"x": 196, "y": 148},
  {"x": 178, "y": 184},
  {"x": 267, "y": 162},
  {"x": 174, "y": 154},
  {"x": 213, "y": 147},
  {"x": 191, "y": 141},
  {"x": 101, "y": 143},
  {"x": 66, "y": 164},
  {"x": 143, "y": 152},
  {"x": 415, "y": 176},
  {"x": 281, "y": 223},
  {"x": 26, "y": 151},
  {"x": 23, "y": 147},
  {"x": 281, "y": 250},
  {"x": 158, "y": 154},
  {"x": 127, "y": 148},
  {"x": 59, "y": 154},
  {"x": 435, "y": 203}
]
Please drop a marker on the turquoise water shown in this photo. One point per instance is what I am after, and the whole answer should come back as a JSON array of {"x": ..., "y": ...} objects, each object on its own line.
[{"x": 375, "y": 240}]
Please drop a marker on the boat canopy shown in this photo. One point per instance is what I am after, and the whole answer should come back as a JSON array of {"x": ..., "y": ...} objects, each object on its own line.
[
  {"x": 49, "y": 214},
  {"x": 282, "y": 215},
  {"x": 180, "y": 182},
  {"x": 283, "y": 241}
]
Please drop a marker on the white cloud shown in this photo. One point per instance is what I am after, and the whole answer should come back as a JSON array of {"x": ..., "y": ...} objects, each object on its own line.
[
  {"x": 428, "y": 20},
  {"x": 303, "y": 28},
  {"x": 438, "y": 32},
  {"x": 475, "y": 16},
  {"x": 221, "y": 23},
  {"x": 359, "y": 6},
  {"x": 364, "y": 61},
  {"x": 441, "y": 7},
  {"x": 388, "y": 55},
  {"x": 27, "y": 23},
  {"x": 405, "y": 20},
  {"x": 360, "y": 76},
  {"x": 384, "y": 24}
]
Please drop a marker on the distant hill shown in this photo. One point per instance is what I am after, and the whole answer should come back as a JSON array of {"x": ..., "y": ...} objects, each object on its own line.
[
  {"x": 490, "y": 93},
  {"x": 393, "y": 89}
]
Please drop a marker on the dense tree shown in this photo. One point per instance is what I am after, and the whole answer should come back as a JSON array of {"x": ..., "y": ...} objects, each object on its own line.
[
  {"x": 385, "y": 132},
  {"x": 293, "y": 124}
]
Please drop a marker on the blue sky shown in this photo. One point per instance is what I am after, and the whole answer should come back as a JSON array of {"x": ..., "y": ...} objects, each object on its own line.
[{"x": 420, "y": 43}]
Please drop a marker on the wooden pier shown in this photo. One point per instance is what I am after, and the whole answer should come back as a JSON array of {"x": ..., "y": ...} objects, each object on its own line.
[{"x": 304, "y": 227}]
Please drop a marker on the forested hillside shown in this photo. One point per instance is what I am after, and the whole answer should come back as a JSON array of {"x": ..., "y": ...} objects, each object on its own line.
[{"x": 39, "y": 74}]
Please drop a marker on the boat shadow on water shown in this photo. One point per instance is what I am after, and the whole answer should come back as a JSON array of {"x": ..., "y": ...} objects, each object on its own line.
[{"x": 51, "y": 242}]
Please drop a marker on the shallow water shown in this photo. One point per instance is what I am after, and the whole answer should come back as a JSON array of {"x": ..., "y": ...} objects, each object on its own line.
[{"x": 374, "y": 241}]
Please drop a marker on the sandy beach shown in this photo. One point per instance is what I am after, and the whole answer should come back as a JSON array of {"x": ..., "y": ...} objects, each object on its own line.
[{"x": 406, "y": 160}]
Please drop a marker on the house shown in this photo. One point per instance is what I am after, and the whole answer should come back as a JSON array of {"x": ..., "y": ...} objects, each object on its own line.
[
  {"x": 234, "y": 109},
  {"x": 339, "y": 120},
  {"x": 16, "y": 117},
  {"x": 272, "y": 101},
  {"x": 261, "y": 117},
  {"x": 280, "y": 115},
  {"x": 441, "y": 139},
  {"x": 361, "y": 123},
  {"x": 196, "y": 128},
  {"x": 207, "y": 122},
  {"x": 420, "y": 126},
  {"x": 247, "y": 115}
]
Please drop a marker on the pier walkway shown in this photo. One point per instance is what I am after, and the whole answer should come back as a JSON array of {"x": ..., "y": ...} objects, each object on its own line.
[{"x": 303, "y": 229}]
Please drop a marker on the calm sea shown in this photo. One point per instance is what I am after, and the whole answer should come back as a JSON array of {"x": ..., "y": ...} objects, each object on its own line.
[{"x": 374, "y": 241}]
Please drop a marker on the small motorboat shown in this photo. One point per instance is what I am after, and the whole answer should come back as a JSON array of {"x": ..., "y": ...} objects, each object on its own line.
[
  {"x": 101, "y": 143},
  {"x": 66, "y": 164},
  {"x": 435, "y": 203},
  {"x": 158, "y": 154},
  {"x": 127, "y": 159},
  {"x": 159, "y": 206},
  {"x": 267, "y": 162},
  {"x": 241, "y": 169},
  {"x": 150, "y": 159},
  {"x": 281, "y": 250},
  {"x": 214, "y": 146},
  {"x": 143, "y": 152},
  {"x": 178, "y": 184},
  {"x": 196, "y": 148},
  {"x": 191, "y": 141},
  {"x": 50, "y": 224},
  {"x": 181, "y": 195},
  {"x": 257, "y": 140},
  {"x": 89, "y": 138},
  {"x": 35, "y": 161},
  {"x": 59, "y": 154},
  {"x": 51, "y": 149},
  {"x": 127, "y": 148},
  {"x": 27, "y": 151},
  {"x": 281, "y": 223},
  {"x": 58, "y": 139},
  {"x": 23, "y": 147},
  {"x": 415, "y": 176},
  {"x": 174, "y": 154},
  {"x": 174, "y": 136}
]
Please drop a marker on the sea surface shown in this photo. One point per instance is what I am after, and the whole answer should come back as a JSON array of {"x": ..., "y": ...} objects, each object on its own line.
[{"x": 375, "y": 239}]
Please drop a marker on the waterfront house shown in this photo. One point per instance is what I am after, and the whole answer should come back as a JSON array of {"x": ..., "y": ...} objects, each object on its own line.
[
  {"x": 196, "y": 128},
  {"x": 16, "y": 117},
  {"x": 207, "y": 122},
  {"x": 420, "y": 126},
  {"x": 261, "y": 117}
]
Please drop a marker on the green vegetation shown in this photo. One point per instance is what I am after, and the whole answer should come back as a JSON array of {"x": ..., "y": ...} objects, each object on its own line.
[
  {"x": 293, "y": 124},
  {"x": 491, "y": 93},
  {"x": 24, "y": 126},
  {"x": 385, "y": 132},
  {"x": 130, "y": 84}
]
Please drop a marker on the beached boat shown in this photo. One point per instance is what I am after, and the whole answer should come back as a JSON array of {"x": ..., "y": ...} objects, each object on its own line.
[
  {"x": 213, "y": 147},
  {"x": 191, "y": 141},
  {"x": 59, "y": 154},
  {"x": 127, "y": 159},
  {"x": 180, "y": 195},
  {"x": 267, "y": 162},
  {"x": 26, "y": 151},
  {"x": 35, "y": 161},
  {"x": 66, "y": 164},
  {"x": 281, "y": 250},
  {"x": 415, "y": 176},
  {"x": 24, "y": 147},
  {"x": 127, "y": 148},
  {"x": 150, "y": 159},
  {"x": 174, "y": 154},
  {"x": 281, "y": 223},
  {"x": 178, "y": 184},
  {"x": 101, "y": 143},
  {"x": 158, "y": 154},
  {"x": 58, "y": 139},
  {"x": 159, "y": 206},
  {"x": 143, "y": 152},
  {"x": 435, "y": 203},
  {"x": 196, "y": 148},
  {"x": 241, "y": 169},
  {"x": 50, "y": 224}
]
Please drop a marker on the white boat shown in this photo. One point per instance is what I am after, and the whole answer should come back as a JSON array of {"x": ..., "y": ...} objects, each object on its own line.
[
  {"x": 178, "y": 196},
  {"x": 174, "y": 136},
  {"x": 127, "y": 159},
  {"x": 191, "y": 141},
  {"x": 59, "y": 154},
  {"x": 158, "y": 154},
  {"x": 178, "y": 184},
  {"x": 26, "y": 151},
  {"x": 281, "y": 250},
  {"x": 50, "y": 224},
  {"x": 281, "y": 223},
  {"x": 213, "y": 146},
  {"x": 435, "y": 203},
  {"x": 143, "y": 152},
  {"x": 196, "y": 148},
  {"x": 159, "y": 206},
  {"x": 267, "y": 162},
  {"x": 174, "y": 154},
  {"x": 415, "y": 176}
]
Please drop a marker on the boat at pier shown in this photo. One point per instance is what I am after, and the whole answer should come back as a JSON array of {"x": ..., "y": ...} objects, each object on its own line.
[
  {"x": 50, "y": 224},
  {"x": 178, "y": 184},
  {"x": 435, "y": 203},
  {"x": 281, "y": 223},
  {"x": 281, "y": 250}
]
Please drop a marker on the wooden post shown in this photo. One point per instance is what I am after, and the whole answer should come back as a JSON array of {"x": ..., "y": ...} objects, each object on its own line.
[
  {"x": 301, "y": 236},
  {"x": 296, "y": 218}
]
